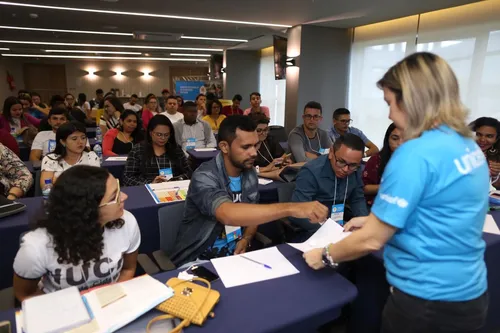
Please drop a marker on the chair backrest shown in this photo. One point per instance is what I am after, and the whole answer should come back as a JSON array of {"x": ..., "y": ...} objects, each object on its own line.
[
  {"x": 169, "y": 219},
  {"x": 38, "y": 189},
  {"x": 285, "y": 192},
  {"x": 278, "y": 133}
]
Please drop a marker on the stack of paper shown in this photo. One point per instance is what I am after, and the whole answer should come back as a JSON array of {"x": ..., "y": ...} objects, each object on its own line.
[
  {"x": 490, "y": 226},
  {"x": 169, "y": 191},
  {"x": 205, "y": 149},
  {"x": 117, "y": 159},
  {"x": 330, "y": 232},
  {"x": 236, "y": 270}
]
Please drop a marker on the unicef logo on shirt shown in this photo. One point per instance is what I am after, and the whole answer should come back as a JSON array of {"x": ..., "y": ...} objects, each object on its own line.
[
  {"x": 334, "y": 209},
  {"x": 402, "y": 203}
]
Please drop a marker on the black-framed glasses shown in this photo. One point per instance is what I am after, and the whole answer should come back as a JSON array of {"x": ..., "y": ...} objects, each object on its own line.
[
  {"x": 342, "y": 164},
  {"x": 345, "y": 121},
  {"x": 310, "y": 116},
  {"x": 161, "y": 135},
  {"x": 262, "y": 130}
]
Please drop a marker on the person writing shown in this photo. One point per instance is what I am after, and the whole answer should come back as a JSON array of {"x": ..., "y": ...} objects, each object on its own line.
[
  {"x": 430, "y": 209},
  {"x": 15, "y": 178},
  {"x": 121, "y": 140},
  {"x": 159, "y": 158},
  {"x": 255, "y": 101},
  {"x": 149, "y": 110},
  {"x": 86, "y": 239},
  {"x": 70, "y": 150},
  {"x": 214, "y": 117},
  {"x": 45, "y": 141},
  {"x": 374, "y": 168},
  {"x": 111, "y": 117},
  {"x": 487, "y": 130}
]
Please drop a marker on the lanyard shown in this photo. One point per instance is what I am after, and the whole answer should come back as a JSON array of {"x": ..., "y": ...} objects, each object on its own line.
[
  {"x": 345, "y": 195},
  {"x": 264, "y": 143},
  {"x": 158, "y": 164},
  {"x": 319, "y": 141}
]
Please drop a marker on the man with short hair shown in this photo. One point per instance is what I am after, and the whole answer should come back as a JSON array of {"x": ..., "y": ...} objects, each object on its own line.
[
  {"x": 45, "y": 141},
  {"x": 341, "y": 121},
  {"x": 223, "y": 196},
  {"x": 334, "y": 180},
  {"x": 171, "y": 110},
  {"x": 132, "y": 104},
  {"x": 306, "y": 142},
  {"x": 229, "y": 110},
  {"x": 255, "y": 101},
  {"x": 99, "y": 97},
  {"x": 201, "y": 105},
  {"x": 191, "y": 132}
]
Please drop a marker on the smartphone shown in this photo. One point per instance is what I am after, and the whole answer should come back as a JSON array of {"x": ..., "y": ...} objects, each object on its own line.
[
  {"x": 204, "y": 273},
  {"x": 5, "y": 327}
]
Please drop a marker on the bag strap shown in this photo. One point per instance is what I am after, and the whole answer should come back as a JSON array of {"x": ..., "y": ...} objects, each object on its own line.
[{"x": 186, "y": 322}]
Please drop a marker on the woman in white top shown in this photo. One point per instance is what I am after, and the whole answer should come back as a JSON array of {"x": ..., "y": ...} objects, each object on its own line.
[
  {"x": 71, "y": 140},
  {"x": 84, "y": 105},
  {"x": 86, "y": 238},
  {"x": 113, "y": 108}
]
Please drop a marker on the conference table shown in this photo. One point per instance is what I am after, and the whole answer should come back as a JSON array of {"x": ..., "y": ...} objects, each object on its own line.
[
  {"x": 296, "y": 303},
  {"x": 139, "y": 203}
]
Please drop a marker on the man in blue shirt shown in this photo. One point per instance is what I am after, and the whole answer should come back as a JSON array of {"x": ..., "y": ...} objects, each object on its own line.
[
  {"x": 341, "y": 121},
  {"x": 334, "y": 180}
]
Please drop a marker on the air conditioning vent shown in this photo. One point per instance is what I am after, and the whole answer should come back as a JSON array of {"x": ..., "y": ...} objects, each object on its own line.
[{"x": 156, "y": 36}]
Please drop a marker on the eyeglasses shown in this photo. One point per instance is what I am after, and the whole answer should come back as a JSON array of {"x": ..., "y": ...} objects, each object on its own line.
[
  {"x": 310, "y": 116},
  {"x": 345, "y": 121},
  {"x": 343, "y": 164},
  {"x": 161, "y": 135},
  {"x": 117, "y": 199},
  {"x": 262, "y": 130}
]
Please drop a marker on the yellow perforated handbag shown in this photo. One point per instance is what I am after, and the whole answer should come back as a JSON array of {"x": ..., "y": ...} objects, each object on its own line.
[{"x": 191, "y": 302}]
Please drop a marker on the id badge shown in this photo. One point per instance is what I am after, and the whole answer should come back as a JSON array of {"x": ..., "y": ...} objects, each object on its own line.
[
  {"x": 52, "y": 146},
  {"x": 191, "y": 143},
  {"x": 324, "y": 151},
  {"x": 167, "y": 173},
  {"x": 338, "y": 214},
  {"x": 232, "y": 233}
]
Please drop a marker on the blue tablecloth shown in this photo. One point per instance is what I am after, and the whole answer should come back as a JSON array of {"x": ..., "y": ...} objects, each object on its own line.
[
  {"x": 373, "y": 288},
  {"x": 296, "y": 303},
  {"x": 139, "y": 202},
  {"x": 24, "y": 151},
  {"x": 91, "y": 132}
]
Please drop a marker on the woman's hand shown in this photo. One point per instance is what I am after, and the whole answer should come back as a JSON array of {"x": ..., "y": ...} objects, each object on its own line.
[
  {"x": 355, "y": 223},
  {"x": 314, "y": 258},
  {"x": 494, "y": 168},
  {"x": 159, "y": 179}
]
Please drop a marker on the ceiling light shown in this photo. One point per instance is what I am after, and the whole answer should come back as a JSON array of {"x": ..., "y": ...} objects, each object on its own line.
[
  {"x": 96, "y": 52},
  {"x": 6, "y": 3},
  {"x": 70, "y": 31},
  {"x": 112, "y": 46},
  {"x": 189, "y": 55},
  {"x": 4, "y": 49},
  {"x": 215, "y": 38},
  {"x": 96, "y": 57}
]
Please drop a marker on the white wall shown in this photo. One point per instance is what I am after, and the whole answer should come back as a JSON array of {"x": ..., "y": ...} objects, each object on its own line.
[{"x": 273, "y": 91}]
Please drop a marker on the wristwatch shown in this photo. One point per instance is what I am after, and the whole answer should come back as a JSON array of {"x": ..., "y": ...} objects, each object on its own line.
[{"x": 326, "y": 258}]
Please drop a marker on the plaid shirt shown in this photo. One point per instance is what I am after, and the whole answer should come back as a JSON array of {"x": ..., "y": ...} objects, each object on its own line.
[{"x": 133, "y": 175}]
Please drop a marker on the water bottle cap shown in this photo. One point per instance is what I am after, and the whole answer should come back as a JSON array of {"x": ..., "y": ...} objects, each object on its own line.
[{"x": 48, "y": 181}]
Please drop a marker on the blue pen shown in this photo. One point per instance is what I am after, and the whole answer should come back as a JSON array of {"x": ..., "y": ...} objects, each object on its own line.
[
  {"x": 255, "y": 261},
  {"x": 87, "y": 305}
]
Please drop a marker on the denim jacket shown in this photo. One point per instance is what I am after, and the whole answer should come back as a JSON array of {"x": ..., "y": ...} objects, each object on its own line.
[{"x": 209, "y": 188}]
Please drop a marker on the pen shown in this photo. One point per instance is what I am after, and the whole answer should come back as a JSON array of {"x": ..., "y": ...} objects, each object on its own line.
[{"x": 255, "y": 261}]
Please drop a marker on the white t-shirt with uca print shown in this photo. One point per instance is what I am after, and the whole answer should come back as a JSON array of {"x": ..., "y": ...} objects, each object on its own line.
[{"x": 37, "y": 258}]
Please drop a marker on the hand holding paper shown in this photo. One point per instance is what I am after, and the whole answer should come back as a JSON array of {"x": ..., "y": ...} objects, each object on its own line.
[
  {"x": 314, "y": 211},
  {"x": 329, "y": 233}
]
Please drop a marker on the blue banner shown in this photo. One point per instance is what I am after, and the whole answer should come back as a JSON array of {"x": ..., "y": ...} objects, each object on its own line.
[{"x": 188, "y": 90}]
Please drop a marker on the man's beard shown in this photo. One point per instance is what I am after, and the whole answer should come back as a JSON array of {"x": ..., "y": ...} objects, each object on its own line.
[{"x": 240, "y": 165}]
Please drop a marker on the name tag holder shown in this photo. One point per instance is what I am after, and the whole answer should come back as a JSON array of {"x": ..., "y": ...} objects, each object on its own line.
[
  {"x": 190, "y": 143},
  {"x": 51, "y": 146},
  {"x": 338, "y": 209}
]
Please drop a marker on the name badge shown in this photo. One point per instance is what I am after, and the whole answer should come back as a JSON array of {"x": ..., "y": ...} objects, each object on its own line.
[
  {"x": 167, "y": 173},
  {"x": 52, "y": 145},
  {"x": 324, "y": 151},
  {"x": 338, "y": 214},
  {"x": 232, "y": 233},
  {"x": 191, "y": 143}
]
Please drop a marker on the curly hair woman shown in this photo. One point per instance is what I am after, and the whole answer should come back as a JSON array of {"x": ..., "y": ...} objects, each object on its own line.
[{"x": 85, "y": 240}]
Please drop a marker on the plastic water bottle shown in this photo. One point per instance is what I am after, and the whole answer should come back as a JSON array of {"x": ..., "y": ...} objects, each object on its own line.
[
  {"x": 46, "y": 190},
  {"x": 98, "y": 135},
  {"x": 98, "y": 151}
]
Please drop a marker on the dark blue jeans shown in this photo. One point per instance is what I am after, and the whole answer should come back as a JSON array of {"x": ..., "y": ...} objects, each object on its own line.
[{"x": 410, "y": 314}]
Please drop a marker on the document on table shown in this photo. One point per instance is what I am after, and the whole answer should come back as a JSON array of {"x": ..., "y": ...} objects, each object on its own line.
[
  {"x": 237, "y": 271},
  {"x": 205, "y": 149},
  {"x": 168, "y": 191},
  {"x": 490, "y": 226},
  {"x": 263, "y": 181},
  {"x": 330, "y": 232},
  {"x": 117, "y": 159}
]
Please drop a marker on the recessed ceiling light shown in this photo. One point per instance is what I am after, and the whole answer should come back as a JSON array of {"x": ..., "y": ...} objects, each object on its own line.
[
  {"x": 215, "y": 38},
  {"x": 113, "y": 46},
  {"x": 189, "y": 55},
  {"x": 4, "y": 49},
  {"x": 96, "y": 57},
  {"x": 88, "y": 10},
  {"x": 93, "y": 51},
  {"x": 70, "y": 31}
]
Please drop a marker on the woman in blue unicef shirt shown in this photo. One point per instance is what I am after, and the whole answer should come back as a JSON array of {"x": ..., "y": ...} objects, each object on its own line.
[{"x": 430, "y": 209}]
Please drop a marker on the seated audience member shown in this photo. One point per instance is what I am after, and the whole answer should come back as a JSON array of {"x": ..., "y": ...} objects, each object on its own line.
[
  {"x": 487, "y": 133},
  {"x": 149, "y": 110},
  {"x": 85, "y": 240},
  {"x": 14, "y": 120},
  {"x": 9, "y": 141},
  {"x": 213, "y": 117},
  {"x": 28, "y": 107},
  {"x": 111, "y": 116},
  {"x": 171, "y": 110},
  {"x": 36, "y": 100},
  {"x": 224, "y": 192},
  {"x": 98, "y": 99},
  {"x": 71, "y": 150},
  {"x": 201, "y": 103},
  {"x": 121, "y": 140},
  {"x": 306, "y": 142},
  {"x": 74, "y": 112},
  {"x": 269, "y": 153},
  {"x": 333, "y": 180},
  {"x": 375, "y": 166},
  {"x": 165, "y": 94},
  {"x": 83, "y": 105},
  {"x": 45, "y": 141},
  {"x": 230, "y": 110},
  {"x": 180, "y": 104},
  {"x": 192, "y": 132},
  {"x": 15, "y": 178},
  {"x": 132, "y": 104},
  {"x": 255, "y": 101},
  {"x": 159, "y": 158},
  {"x": 341, "y": 121}
]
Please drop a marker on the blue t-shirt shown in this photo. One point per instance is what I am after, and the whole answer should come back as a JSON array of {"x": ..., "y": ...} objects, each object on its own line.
[
  {"x": 435, "y": 191},
  {"x": 221, "y": 247}
]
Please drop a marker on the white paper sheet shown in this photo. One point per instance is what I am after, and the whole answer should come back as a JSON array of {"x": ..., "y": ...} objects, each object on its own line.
[
  {"x": 117, "y": 159},
  {"x": 330, "y": 232},
  {"x": 205, "y": 149},
  {"x": 490, "y": 226},
  {"x": 263, "y": 181},
  {"x": 237, "y": 271}
]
